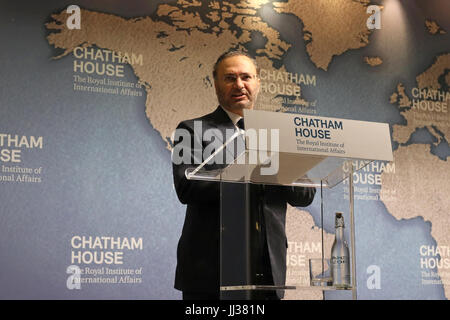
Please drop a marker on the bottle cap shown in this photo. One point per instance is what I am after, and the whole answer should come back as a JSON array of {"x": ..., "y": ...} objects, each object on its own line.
[{"x": 339, "y": 222}]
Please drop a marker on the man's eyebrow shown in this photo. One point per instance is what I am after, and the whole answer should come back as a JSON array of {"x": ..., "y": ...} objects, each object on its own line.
[{"x": 233, "y": 73}]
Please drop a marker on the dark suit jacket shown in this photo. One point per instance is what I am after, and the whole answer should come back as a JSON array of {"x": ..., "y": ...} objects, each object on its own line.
[{"x": 198, "y": 248}]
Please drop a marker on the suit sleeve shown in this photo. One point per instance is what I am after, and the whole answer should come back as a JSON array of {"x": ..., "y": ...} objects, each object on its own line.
[{"x": 184, "y": 153}]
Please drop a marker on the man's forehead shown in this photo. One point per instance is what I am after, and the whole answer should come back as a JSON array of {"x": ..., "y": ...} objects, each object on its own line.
[{"x": 241, "y": 64}]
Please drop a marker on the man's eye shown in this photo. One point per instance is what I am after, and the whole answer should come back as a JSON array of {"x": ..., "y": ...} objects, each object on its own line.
[{"x": 230, "y": 78}]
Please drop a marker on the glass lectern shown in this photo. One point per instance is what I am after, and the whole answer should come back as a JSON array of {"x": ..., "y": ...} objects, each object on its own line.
[
  {"x": 272, "y": 167},
  {"x": 242, "y": 222}
]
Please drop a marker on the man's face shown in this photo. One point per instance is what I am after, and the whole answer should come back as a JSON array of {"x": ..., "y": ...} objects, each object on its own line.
[{"x": 237, "y": 84}]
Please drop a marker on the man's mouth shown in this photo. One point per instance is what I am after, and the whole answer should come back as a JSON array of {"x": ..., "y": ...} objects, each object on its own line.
[{"x": 239, "y": 95}]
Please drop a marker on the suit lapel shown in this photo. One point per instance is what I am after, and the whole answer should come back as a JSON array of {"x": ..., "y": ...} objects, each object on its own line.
[{"x": 220, "y": 120}]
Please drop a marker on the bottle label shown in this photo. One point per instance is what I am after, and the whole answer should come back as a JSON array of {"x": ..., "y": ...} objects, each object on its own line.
[
  {"x": 340, "y": 271},
  {"x": 339, "y": 260}
]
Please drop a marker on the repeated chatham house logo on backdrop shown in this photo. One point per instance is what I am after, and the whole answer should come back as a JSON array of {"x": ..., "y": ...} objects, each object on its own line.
[
  {"x": 103, "y": 260},
  {"x": 15, "y": 153},
  {"x": 99, "y": 70},
  {"x": 435, "y": 264},
  {"x": 367, "y": 181}
]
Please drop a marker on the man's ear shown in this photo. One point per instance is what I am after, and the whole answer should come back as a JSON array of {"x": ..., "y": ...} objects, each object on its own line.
[{"x": 259, "y": 84}]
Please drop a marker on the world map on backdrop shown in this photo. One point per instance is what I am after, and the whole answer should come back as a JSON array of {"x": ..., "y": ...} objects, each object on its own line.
[{"x": 316, "y": 57}]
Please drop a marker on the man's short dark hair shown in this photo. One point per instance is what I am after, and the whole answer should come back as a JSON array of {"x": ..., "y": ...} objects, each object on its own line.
[{"x": 233, "y": 53}]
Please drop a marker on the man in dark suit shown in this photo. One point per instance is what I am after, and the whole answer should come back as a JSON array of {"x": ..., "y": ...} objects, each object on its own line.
[{"x": 197, "y": 275}]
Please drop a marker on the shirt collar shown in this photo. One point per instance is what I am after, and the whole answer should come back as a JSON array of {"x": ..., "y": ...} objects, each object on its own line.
[{"x": 233, "y": 116}]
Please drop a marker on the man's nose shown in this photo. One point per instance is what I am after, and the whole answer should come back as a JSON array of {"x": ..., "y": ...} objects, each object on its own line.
[{"x": 239, "y": 83}]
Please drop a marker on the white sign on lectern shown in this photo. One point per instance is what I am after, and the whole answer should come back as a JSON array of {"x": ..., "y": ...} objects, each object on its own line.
[{"x": 323, "y": 136}]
